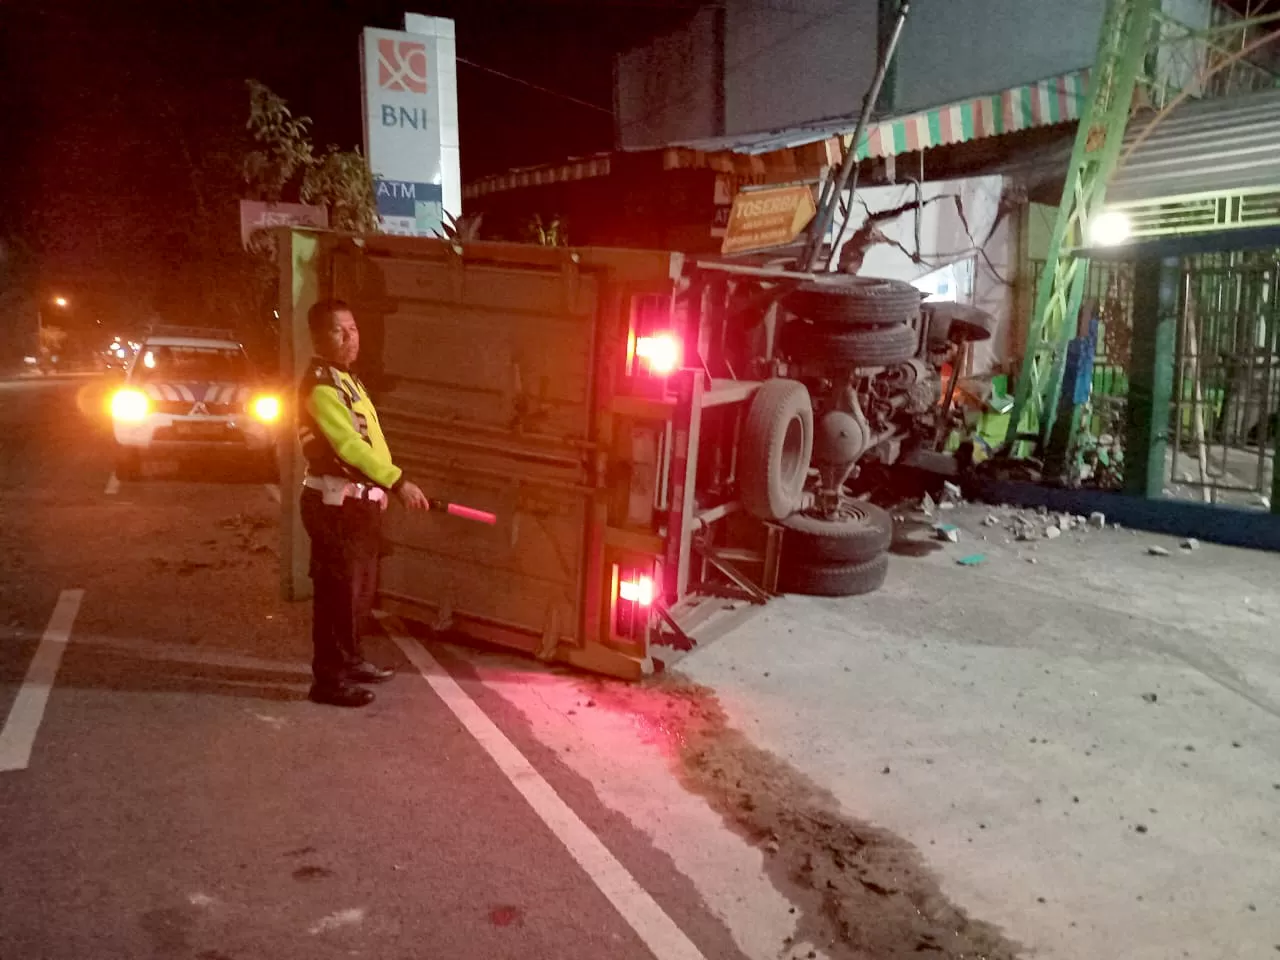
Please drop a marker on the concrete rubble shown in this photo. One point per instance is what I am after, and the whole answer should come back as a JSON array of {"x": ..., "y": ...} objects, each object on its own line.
[{"x": 1024, "y": 524}]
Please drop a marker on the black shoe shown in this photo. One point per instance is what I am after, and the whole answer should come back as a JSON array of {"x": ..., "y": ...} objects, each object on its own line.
[
  {"x": 340, "y": 695},
  {"x": 366, "y": 672}
]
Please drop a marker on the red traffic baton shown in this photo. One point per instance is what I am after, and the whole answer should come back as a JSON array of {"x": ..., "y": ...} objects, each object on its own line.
[{"x": 465, "y": 513}]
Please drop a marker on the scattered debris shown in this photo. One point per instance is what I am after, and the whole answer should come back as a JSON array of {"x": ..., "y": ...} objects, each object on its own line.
[
  {"x": 951, "y": 490},
  {"x": 1098, "y": 521},
  {"x": 1052, "y": 533},
  {"x": 928, "y": 506},
  {"x": 1032, "y": 560},
  {"x": 946, "y": 506},
  {"x": 947, "y": 531},
  {"x": 1149, "y": 697},
  {"x": 1141, "y": 827},
  {"x": 1191, "y": 543},
  {"x": 991, "y": 521},
  {"x": 1157, "y": 551},
  {"x": 885, "y": 770},
  {"x": 973, "y": 560}
]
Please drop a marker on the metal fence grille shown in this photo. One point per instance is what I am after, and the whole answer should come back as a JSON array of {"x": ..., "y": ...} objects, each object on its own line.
[
  {"x": 1226, "y": 390},
  {"x": 1109, "y": 286}
]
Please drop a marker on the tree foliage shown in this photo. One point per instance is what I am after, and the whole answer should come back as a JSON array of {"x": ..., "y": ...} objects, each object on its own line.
[
  {"x": 285, "y": 165},
  {"x": 551, "y": 234}
]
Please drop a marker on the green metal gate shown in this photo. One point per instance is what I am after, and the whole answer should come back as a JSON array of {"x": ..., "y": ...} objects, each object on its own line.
[
  {"x": 1226, "y": 373},
  {"x": 1226, "y": 390}
]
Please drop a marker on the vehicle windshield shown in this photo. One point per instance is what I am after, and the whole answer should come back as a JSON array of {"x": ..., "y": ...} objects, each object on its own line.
[{"x": 165, "y": 362}]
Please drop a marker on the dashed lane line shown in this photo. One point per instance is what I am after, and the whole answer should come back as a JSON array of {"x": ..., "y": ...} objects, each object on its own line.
[
  {"x": 665, "y": 940},
  {"x": 19, "y": 732}
]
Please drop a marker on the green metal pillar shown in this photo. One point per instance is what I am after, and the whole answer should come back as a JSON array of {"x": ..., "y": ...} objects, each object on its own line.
[
  {"x": 300, "y": 282},
  {"x": 1156, "y": 289},
  {"x": 1124, "y": 42}
]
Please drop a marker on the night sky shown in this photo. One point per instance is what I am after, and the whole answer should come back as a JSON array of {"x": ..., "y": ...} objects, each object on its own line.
[{"x": 122, "y": 123}]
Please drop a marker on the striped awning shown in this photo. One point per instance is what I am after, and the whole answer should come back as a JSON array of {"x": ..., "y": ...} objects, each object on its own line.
[
  {"x": 1040, "y": 104},
  {"x": 597, "y": 166}
]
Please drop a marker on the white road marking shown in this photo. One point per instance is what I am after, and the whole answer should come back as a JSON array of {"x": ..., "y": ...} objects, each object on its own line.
[
  {"x": 665, "y": 940},
  {"x": 113, "y": 485},
  {"x": 19, "y": 732},
  {"x": 343, "y": 918},
  {"x": 274, "y": 491}
]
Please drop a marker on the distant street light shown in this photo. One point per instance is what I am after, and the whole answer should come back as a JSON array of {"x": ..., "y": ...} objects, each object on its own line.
[{"x": 60, "y": 301}]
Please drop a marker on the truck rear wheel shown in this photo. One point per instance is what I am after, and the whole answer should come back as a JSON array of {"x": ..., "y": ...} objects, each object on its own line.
[
  {"x": 858, "y": 346},
  {"x": 835, "y": 580},
  {"x": 777, "y": 443},
  {"x": 855, "y": 301},
  {"x": 860, "y": 532}
]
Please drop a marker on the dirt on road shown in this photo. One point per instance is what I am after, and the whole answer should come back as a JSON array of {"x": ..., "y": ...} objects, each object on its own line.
[{"x": 860, "y": 892}]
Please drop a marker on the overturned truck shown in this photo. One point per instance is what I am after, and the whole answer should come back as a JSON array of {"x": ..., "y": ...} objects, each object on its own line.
[{"x": 666, "y": 442}]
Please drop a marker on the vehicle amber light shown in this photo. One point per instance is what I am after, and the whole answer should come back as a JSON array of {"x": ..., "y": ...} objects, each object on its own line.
[
  {"x": 129, "y": 405},
  {"x": 660, "y": 353},
  {"x": 266, "y": 409},
  {"x": 638, "y": 591}
]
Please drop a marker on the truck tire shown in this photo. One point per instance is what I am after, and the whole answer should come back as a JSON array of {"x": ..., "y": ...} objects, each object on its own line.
[
  {"x": 777, "y": 443},
  {"x": 835, "y": 580},
  {"x": 855, "y": 301},
  {"x": 859, "y": 346},
  {"x": 860, "y": 533}
]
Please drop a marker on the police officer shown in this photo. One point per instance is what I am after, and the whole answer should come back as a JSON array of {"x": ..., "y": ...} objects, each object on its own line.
[{"x": 349, "y": 475}]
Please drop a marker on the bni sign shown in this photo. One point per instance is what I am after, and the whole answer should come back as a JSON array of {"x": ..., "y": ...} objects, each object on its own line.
[{"x": 411, "y": 123}]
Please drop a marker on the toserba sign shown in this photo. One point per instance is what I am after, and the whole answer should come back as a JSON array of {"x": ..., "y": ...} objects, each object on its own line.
[{"x": 772, "y": 217}]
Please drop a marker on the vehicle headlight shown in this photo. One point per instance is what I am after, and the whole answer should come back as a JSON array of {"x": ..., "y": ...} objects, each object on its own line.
[
  {"x": 266, "y": 409},
  {"x": 129, "y": 405}
]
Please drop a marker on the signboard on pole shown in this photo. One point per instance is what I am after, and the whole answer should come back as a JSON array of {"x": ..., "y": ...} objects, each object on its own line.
[
  {"x": 410, "y": 88},
  {"x": 257, "y": 215},
  {"x": 772, "y": 217}
]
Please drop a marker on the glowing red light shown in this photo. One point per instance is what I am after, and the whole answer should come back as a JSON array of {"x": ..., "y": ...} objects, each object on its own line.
[
  {"x": 639, "y": 591},
  {"x": 660, "y": 353}
]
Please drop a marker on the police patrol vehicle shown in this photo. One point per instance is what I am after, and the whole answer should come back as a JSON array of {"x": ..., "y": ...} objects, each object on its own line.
[{"x": 190, "y": 390}]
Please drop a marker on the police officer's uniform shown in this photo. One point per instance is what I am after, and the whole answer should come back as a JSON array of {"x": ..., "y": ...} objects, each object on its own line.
[{"x": 349, "y": 472}]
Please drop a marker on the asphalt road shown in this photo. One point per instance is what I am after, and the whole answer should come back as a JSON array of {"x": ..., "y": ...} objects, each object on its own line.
[{"x": 183, "y": 799}]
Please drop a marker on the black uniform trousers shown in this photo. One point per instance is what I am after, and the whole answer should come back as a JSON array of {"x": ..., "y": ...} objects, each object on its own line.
[{"x": 344, "y": 574}]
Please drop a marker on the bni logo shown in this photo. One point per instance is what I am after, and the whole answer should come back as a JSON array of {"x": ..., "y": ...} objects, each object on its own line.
[{"x": 402, "y": 65}]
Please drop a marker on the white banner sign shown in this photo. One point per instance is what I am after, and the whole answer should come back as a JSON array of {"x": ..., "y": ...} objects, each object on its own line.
[
  {"x": 256, "y": 215},
  {"x": 411, "y": 123}
]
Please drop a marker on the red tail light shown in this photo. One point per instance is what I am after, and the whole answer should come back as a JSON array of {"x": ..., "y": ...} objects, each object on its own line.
[
  {"x": 638, "y": 591},
  {"x": 660, "y": 353}
]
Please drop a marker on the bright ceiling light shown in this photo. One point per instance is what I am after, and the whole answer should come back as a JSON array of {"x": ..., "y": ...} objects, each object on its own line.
[{"x": 1110, "y": 228}]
